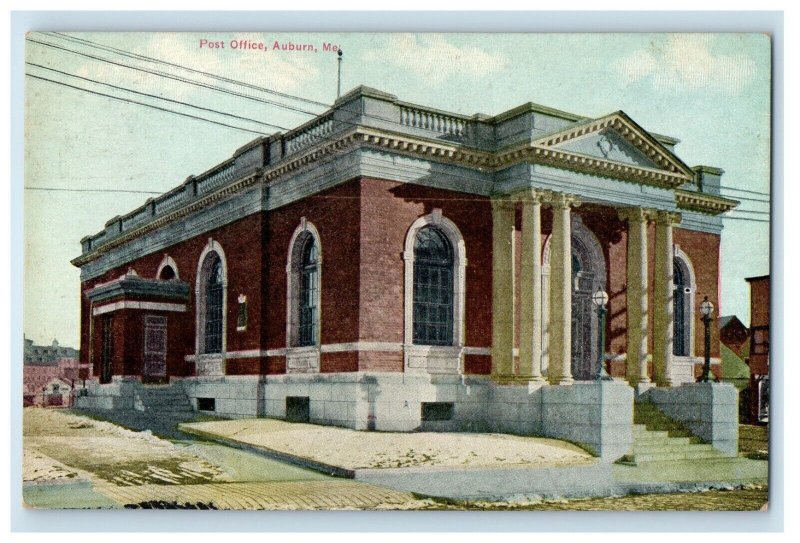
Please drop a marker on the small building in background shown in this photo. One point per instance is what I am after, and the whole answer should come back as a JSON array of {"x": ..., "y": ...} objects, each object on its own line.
[
  {"x": 733, "y": 333},
  {"x": 758, "y": 357},
  {"x": 50, "y": 373},
  {"x": 734, "y": 349}
]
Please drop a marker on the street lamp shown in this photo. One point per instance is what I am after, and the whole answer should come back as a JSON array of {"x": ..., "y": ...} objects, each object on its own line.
[
  {"x": 600, "y": 299},
  {"x": 706, "y": 309}
]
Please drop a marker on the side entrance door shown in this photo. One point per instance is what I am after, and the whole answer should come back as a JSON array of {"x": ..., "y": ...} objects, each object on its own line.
[{"x": 155, "y": 349}]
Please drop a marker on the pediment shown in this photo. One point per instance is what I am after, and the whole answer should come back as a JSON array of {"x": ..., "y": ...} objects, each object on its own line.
[
  {"x": 608, "y": 144},
  {"x": 615, "y": 138}
]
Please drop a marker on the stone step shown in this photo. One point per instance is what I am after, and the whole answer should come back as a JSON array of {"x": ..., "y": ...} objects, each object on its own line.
[
  {"x": 648, "y": 434},
  {"x": 650, "y": 448},
  {"x": 678, "y": 455},
  {"x": 658, "y": 440}
]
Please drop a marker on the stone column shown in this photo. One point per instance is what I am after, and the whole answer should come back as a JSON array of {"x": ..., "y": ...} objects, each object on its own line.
[
  {"x": 637, "y": 295},
  {"x": 502, "y": 288},
  {"x": 530, "y": 343},
  {"x": 560, "y": 369},
  {"x": 663, "y": 293}
]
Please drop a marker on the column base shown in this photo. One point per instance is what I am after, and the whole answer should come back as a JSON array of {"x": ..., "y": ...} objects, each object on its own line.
[{"x": 517, "y": 379}]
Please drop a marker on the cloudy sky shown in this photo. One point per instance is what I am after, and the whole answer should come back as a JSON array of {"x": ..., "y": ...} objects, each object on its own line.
[{"x": 710, "y": 91}]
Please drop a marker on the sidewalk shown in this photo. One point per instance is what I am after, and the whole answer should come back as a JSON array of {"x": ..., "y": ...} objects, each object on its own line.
[
  {"x": 347, "y": 453},
  {"x": 465, "y": 466},
  {"x": 74, "y": 462}
]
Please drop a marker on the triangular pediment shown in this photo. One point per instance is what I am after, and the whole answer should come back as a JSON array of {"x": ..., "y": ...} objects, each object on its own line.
[
  {"x": 615, "y": 138},
  {"x": 608, "y": 144}
]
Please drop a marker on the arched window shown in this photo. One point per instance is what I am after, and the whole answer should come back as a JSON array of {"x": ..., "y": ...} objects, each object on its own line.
[
  {"x": 167, "y": 273},
  {"x": 167, "y": 269},
  {"x": 309, "y": 287},
  {"x": 433, "y": 288},
  {"x": 214, "y": 308},
  {"x": 303, "y": 287},
  {"x": 682, "y": 308}
]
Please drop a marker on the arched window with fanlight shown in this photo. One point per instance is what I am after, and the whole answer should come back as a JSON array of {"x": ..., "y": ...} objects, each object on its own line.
[
  {"x": 214, "y": 308},
  {"x": 211, "y": 285},
  {"x": 433, "y": 288},
  {"x": 682, "y": 307},
  {"x": 309, "y": 287},
  {"x": 304, "y": 287}
]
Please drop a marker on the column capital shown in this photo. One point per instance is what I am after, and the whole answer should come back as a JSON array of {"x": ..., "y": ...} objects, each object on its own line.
[
  {"x": 636, "y": 214},
  {"x": 503, "y": 203},
  {"x": 561, "y": 200},
  {"x": 667, "y": 218},
  {"x": 531, "y": 195}
]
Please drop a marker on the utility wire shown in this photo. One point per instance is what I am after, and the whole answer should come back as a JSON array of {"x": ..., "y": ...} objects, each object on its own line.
[
  {"x": 221, "y": 78},
  {"x": 177, "y": 78},
  {"x": 737, "y": 210},
  {"x": 745, "y": 191},
  {"x": 728, "y": 218},
  {"x": 55, "y": 189},
  {"x": 131, "y": 54},
  {"x": 157, "y": 97},
  {"x": 737, "y": 197},
  {"x": 146, "y": 105}
]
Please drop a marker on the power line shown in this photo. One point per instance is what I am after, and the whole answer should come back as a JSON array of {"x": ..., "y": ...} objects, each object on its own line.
[
  {"x": 55, "y": 189},
  {"x": 130, "y": 54},
  {"x": 750, "y": 219},
  {"x": 157, "y": 97},
  {"x": 749, "y": 211},
  {"x": 147, "y": 105},
  {"x": 161, "y": 74},
  {"x": 745, "y": 191},
  {"x": 177, "y": 78},
  {"x": 737, "y": 197}
]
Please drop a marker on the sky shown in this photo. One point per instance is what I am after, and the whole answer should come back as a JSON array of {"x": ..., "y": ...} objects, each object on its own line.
[{"x": 711, "y": 91}]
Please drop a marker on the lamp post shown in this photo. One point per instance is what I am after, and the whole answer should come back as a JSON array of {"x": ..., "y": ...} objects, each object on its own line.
[
  {"x": 706, "y": 309},
  {"x": 600, "y": 299}
]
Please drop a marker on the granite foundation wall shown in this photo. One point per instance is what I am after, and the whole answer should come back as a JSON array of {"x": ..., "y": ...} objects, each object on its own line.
[
  {"x": 595, "y": 415},
  {"x": 708, "y": 410}
]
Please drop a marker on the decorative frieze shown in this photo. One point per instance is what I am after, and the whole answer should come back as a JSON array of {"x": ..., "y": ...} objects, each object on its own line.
[
  {"x": 317, "y": 144},
  {"x": 704, "y": 203}
]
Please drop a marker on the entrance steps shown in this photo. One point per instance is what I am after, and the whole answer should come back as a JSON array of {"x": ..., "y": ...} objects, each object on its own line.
[
  {"x": 658, "y": 438},
  {"x": 155, "y": 399}
]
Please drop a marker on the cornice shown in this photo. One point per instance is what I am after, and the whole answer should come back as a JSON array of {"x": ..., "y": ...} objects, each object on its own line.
[
  {"x": 168, "y": 218},
  {"x": 412, "y": 146},
  {"x": 704, "y": 203}
]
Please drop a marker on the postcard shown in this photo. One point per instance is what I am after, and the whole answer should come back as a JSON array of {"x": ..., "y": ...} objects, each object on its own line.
[{"x": 363, "y": 271}]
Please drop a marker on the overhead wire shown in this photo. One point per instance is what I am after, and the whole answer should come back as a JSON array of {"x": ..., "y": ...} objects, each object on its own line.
[
  {"x": 176, "y": 78},
  {"x": 147, "y": 105},
  {"x": 221, "y": 78},
  {"x": 131, "y": 54},
  {"x": 171, "y": 100}
]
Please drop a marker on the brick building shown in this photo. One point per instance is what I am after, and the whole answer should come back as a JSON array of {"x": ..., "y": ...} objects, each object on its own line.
[
  {"x": 49, "y": 371},
  {"x": 758, "y": 359},
  {"x": 390, "y": 266}
]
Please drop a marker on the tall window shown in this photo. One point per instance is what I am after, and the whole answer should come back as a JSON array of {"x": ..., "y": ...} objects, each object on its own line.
[
  {"x": 214, "y": 310},
  {"x": 309, "y": 285},
  {"x": 680, "y": 326},
  {"x": 433, "y": 288}
]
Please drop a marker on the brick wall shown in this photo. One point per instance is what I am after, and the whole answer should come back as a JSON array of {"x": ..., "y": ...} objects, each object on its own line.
[{"x": 389, "y": 209}]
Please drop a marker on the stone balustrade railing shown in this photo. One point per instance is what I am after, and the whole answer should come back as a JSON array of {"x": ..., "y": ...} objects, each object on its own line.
[
  {"x": 309, "y": 135},
  {"x": 170, "y": 200},
  {"x": 436, "y": 122},
  {"x": 218, "y": 177}
]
